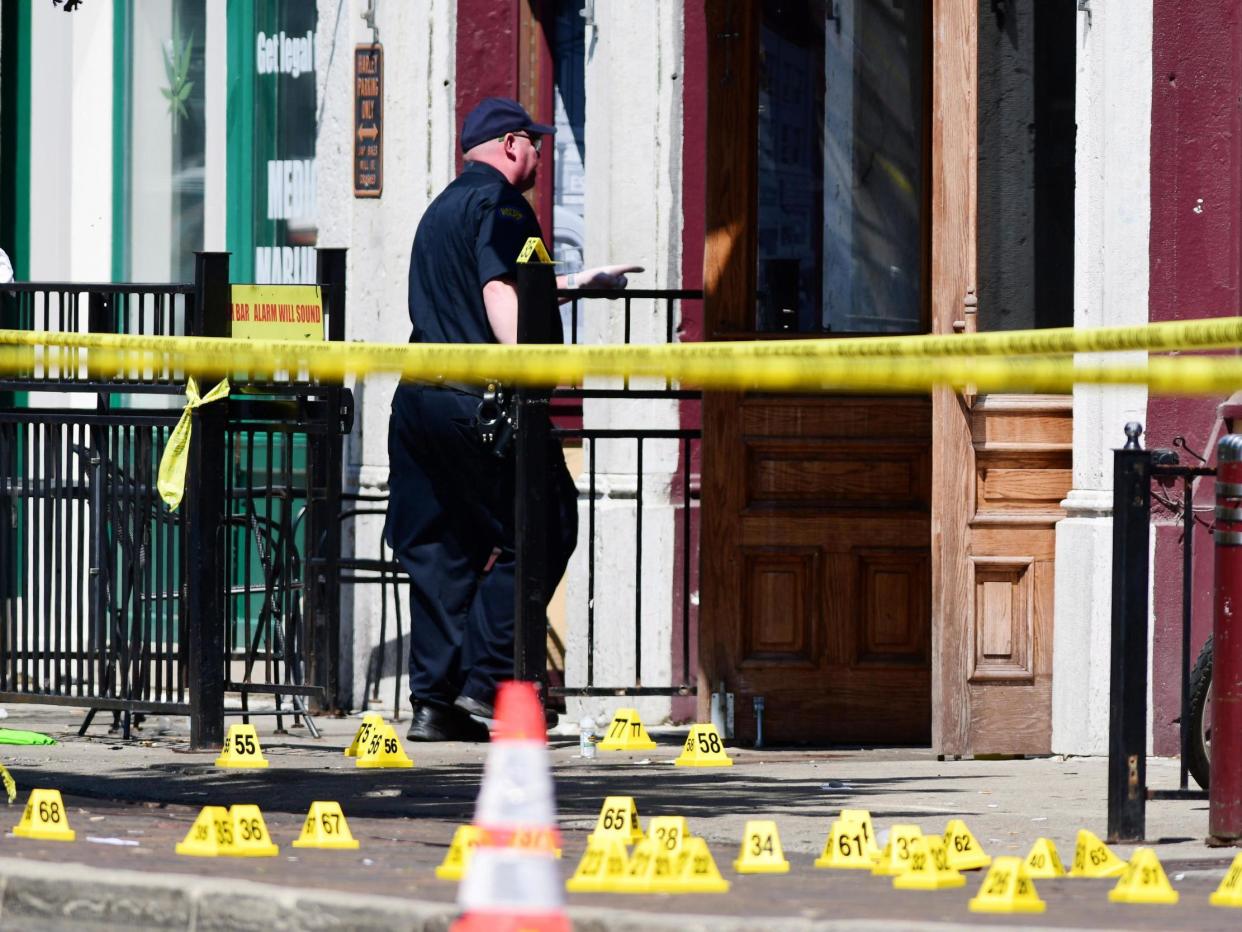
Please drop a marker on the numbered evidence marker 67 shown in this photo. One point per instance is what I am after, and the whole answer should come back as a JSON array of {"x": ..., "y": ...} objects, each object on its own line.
[
  {"x": 618, "y": 818},
  {"x": 761, "y": 850},
  {"x": 241, "y": 748},
  {"x": 1229, "y": 893},
  {"x": 1007, "y": 889},
  {"x": 703, "y": 748},
  {"x": 325, "y": 827},
  {"x": 626, "y": 733},
  {"x": 45, "y": 818}
]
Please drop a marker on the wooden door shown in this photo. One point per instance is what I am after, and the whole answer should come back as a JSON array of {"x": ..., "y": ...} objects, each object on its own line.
[{"x": 816, "y": 509}]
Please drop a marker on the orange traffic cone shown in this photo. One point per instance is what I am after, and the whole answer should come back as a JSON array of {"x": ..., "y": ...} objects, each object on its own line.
[{"x": 512, "y": 882}]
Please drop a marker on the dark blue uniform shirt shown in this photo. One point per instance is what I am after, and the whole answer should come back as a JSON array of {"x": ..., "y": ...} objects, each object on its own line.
[{"x": 471, "y": 234}]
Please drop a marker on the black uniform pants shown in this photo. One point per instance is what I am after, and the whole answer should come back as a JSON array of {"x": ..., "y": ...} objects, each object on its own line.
[{"x": 450, "y": 512}]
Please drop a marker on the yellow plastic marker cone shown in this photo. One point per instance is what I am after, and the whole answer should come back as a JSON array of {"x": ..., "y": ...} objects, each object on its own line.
[
  {"x": 761, "y": 850},
  {"x": 668, "y": 832},
  {"x": 965, "y": 852},
  {"x": 203, "y": 838},
  {"x": 382, "y": 750},
  {"x": 1144, "y": 881},
  {"x": 465, "y": 840},
  {"x": 1007, "y": 889},
  {"x": 1229, "y": 893},
  {"x": 1093, "y": 858},
  {"x": 626, "y": 733},
  {"x": 618, "y": 818},
  {"x": 370, "y": 722},
  {"x": 650, "y": 869},
  {"x": 241, "y": 748},
  {"x": 846, "y": 847},
  {"x": 602, "y": 868},
  {"x": 703, "y": 748},
  {"x": 45, "y": 818},
  {"x": 1043, "y": 861},
  {"x": 696, "y": 870},
  {"x": 325, "y": 827},
  {"x": 250, "y": 837},
  {"x": 929, "y": 867},
  {"x": 863, "y": 818},
  {"x": 895, "y": 857}
]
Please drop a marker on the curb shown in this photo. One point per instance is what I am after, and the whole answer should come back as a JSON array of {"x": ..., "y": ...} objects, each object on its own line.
[{"x": 40, "y": 895}]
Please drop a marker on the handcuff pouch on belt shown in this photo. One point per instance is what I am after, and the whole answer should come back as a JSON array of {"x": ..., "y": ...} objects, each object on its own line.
[{"x": 493, "y": 419}]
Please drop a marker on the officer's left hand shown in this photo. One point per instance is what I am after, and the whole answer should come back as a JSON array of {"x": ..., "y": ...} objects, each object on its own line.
[{"x": 606, "y": 276}]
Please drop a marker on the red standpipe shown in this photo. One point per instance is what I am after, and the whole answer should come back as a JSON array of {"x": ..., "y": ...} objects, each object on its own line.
[{"x": 1225, "y": 793}]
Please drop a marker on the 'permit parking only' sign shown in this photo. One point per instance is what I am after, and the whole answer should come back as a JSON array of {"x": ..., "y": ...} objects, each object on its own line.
[
  {"x": 277, "y": 312},
  {"x": 368, "y": 120}
]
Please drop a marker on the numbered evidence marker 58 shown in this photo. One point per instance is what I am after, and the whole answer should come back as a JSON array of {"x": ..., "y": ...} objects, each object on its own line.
[
  {"x": 761, "y": 850},
  {"x": 703, "y": 748},
  {"x": 45, "y": 818}
]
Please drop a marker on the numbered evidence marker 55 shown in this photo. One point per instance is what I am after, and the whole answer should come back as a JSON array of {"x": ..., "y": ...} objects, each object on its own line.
[
  {"x": 761, "y": 850},
  {"x": 241, "y": 748},
  {"x": 45, "y": 818}
]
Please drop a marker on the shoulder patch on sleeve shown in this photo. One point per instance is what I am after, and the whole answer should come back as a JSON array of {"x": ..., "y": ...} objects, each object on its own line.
[{"x": 511, "y": 213}]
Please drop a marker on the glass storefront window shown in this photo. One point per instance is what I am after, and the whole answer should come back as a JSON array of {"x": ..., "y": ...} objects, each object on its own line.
[{"x": 842, "y": 166}]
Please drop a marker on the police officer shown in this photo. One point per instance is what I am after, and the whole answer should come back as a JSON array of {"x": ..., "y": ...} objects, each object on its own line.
[{"x": 450, "y": 514}]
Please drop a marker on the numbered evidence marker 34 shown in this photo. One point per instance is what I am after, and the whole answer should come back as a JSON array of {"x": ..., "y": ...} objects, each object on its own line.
[
  {"x": 45, "y": 818},
  {"x": 761, "y": 850}
]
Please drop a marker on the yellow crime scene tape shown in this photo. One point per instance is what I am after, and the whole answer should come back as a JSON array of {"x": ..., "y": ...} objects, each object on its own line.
[{"x": 1015, "y": 361}]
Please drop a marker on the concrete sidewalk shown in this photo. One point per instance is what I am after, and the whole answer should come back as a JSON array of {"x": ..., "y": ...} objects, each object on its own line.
[{"x": 131, "y": 803}]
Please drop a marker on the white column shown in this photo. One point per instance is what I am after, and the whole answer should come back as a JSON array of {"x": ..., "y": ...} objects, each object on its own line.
[
  {"x": 216, "y": 156},
  {"x": 419, "y": 39},
  {"x": 633, "y": 214},
  {"x": 1111, "y": 233}
]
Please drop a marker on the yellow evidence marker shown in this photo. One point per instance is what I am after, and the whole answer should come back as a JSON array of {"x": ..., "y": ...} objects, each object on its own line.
[
  {"x": 618, "y": 818},
  {"x": 250, "y": 838},
  {"x": 602, "y": 868},
  {"x": 1093, "y": 858},
  {"x": 895, "y": 857},
  {"x": 383, "y": 750},
  {"x": 626, "y": 733},
  {"x": 929, "y": 867},
  {"x": 761, "y": 850},
  {"x": 1007, "y": 889},
  {"x": 465, "y": 840},
  {"x": 1043, "y": 862},
  {"x": 965, "y": 852},
  {"x": 1144, "y": 882},
  {"x": 241, "y": 748},
  {"x": 846, "y": 847},
  {"x": 863, "y": 817},
  {"x": 703, "y": 748},
  {"x": 45, "y": 818},
  {"x": 204, "y": 839},
  {"x": 668, "y": 832},
  {"x": 650, "y": 869},
  {"x": 696, "y": 870},
  {"x": 1229, "y": 893},
  {"x": 325, "y": 827},
  {"x": 370, "y": 722}
]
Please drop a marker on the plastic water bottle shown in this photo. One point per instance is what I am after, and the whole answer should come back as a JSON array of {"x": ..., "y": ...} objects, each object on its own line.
[{"x": 586, "y": 737}]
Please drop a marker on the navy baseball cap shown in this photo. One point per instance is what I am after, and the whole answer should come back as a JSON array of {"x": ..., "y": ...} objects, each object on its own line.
[{"x": 495, "y": 116}]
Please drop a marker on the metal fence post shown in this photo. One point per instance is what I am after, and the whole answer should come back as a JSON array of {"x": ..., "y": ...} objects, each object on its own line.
[
  {"x": 1127, "y": 732},
  {"x": 205, "y": 558},
  {"x": 325, "y": 506},
  {"x": 536, "y": 292},
  {"x": 1225, "y": 780}
]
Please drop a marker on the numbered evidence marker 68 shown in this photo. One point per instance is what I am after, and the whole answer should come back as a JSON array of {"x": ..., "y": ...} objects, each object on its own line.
[
  {"x": 626, "y": 733},
  {"x": 703, "y": 748},
  {"x": 761, "y": 850},
  {"x": 241, "y": 748},
  {"x": 325, "y": 827},
  {"x": 618, "y": 818},
  {"x": 45, "y": 818}
]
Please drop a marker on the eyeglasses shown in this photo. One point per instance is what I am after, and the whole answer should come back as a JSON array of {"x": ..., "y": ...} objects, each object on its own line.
[{"x": 535, "y": 141}]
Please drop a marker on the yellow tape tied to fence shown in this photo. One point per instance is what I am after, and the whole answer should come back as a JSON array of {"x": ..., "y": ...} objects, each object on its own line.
[
  {"x": 1034, "y": 361},
  {"x": 173, "y": 461}
]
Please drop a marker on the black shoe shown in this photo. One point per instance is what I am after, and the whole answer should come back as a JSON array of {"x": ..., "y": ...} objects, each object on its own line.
[
  {"x": 433, "y": 722},
  {"x": 478, "y": 710}
]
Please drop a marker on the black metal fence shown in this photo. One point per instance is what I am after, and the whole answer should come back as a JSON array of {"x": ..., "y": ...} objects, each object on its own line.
[
  {"x": 110, "y": 601},
  {"x": 1135, "y": 471}
]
